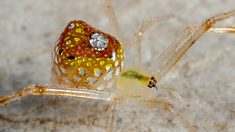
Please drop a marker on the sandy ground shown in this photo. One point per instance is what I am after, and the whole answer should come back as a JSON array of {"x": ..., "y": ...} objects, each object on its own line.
[{"x": 204, "y": 77}]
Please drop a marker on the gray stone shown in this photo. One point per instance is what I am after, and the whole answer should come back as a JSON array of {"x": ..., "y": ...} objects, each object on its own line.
[{"x": 204, "y": 77}]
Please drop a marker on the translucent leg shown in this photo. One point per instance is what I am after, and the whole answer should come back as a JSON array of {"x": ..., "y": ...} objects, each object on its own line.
[
  {"x": 59, "y": 91},
  {"x": 216, "y": 29},
  {"x": 112, "y": 18},
  {"x": 142, "y": 29},
  {"x": 170, "y": 108},
  {"x": 223, "y": 30},
  {"x": 161, "y": 60},
  {"x": 112, "y": 117},
  {"x": 183, "y": 44},
  {"x": 182, "y": 119},
  {"x": 174, "y": 93}
]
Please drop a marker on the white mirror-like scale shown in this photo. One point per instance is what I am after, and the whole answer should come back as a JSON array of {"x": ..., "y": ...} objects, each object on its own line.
[
  {"x": 71, "y": 26},
  {"x": 82, "y": 71},
  {"x": 101, "y": 87},
  {"x": 118, "y": 70},
  {"x": 91, "y": 80},
  {"x": 108, "y": 76},
  {"x": 76, "y": 78},
  {"x": 98, "y": 41},
  {"x": 97, "y": 72}
]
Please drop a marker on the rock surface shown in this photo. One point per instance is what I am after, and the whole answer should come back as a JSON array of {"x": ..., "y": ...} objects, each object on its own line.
[{"x": 204, "y": 77}]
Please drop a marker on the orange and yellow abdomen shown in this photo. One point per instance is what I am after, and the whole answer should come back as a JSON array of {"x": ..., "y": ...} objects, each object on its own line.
[{"x": 85, "y": 57}]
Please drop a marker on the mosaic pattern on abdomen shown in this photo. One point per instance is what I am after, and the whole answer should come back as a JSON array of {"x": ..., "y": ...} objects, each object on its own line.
[{"x": 85, "y": 57}]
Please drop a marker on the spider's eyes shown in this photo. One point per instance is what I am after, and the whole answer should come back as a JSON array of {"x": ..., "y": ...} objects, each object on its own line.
[{"x": 152, "y": 83}]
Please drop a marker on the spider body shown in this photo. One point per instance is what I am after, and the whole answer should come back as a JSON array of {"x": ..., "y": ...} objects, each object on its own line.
[
  {"x": 85, "y": 56},
  {"x": 86, "y": 63}
]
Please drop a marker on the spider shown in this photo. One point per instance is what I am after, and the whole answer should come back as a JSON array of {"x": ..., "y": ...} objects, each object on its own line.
[{"x": 88, "y": 63}]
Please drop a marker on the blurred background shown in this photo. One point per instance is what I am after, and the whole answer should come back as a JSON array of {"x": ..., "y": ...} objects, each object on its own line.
[{"x": 204, "y": 77}]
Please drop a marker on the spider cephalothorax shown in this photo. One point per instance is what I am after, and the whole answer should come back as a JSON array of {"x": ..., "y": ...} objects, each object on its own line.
[{"x": 84, "y": 55}]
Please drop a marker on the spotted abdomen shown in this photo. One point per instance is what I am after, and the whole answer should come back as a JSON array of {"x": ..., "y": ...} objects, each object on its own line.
[{"x": 85, "y": 57}]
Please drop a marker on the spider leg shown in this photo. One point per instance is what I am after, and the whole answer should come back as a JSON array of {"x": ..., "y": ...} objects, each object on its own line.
[
  {"x": 112, "y": 18},
  {"x": 58, "y": 91},
  {"x": 216, "y": 29},
  {"x": 142, "y": 29},
  {"x": 223, "y": 30},
  {"x": 112, "y": 117},
  {"x": 156, "y": 103},
  {"x": 182, "y": 45},
  {"x": 173, "y": 93},
  {"x": 170, "y": 51}
]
